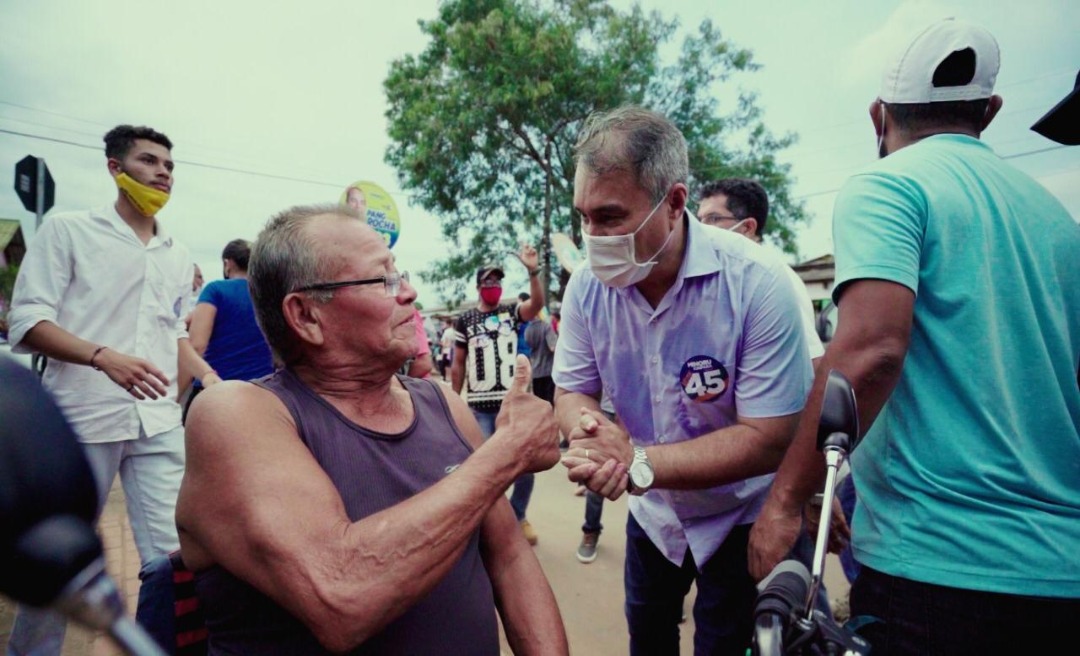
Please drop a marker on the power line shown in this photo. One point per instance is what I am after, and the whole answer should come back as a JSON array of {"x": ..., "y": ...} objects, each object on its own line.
[
  {"x": 399, "y": 193},
  {"x": 52, "y": 139},
  {"x": 46, "y": 111},
  {"x": 188, "y": 162},
  {"x": 1033, "y": 152}
]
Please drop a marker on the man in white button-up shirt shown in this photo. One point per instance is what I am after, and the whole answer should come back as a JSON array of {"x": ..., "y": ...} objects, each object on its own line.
[{"x": 103, "y": 293}]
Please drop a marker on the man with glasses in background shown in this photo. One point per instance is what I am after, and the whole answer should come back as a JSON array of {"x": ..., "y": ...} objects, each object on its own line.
[
  {"x": 742, "y": 206},
  {"x": 292, "y": 481},
  {"x": 486, "y": 345}
]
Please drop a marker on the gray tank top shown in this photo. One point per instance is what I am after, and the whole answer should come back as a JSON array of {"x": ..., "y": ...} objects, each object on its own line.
[{"x": 372, "y": 471}]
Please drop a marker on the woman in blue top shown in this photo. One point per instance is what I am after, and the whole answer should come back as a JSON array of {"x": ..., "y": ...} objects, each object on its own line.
[{"x": 223, "y": 328}]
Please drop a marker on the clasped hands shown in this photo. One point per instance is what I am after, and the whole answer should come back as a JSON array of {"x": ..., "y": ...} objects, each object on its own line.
[{"x": 599, "y": 455}]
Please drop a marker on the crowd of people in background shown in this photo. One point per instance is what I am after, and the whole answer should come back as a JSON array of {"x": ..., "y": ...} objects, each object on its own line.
[{"x": 335, "y": 495}]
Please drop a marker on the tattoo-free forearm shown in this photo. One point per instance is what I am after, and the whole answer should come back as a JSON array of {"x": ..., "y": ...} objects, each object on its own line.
[
  {"x": 54, "y": 342},
  {"x": 568, "y": 407}
]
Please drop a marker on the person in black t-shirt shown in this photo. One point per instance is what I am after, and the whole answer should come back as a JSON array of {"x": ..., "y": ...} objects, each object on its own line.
[{"x": 485, "y": 341}]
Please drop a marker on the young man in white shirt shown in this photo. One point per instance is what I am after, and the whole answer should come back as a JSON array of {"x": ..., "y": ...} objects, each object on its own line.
[{"x": 103, "y": 294}]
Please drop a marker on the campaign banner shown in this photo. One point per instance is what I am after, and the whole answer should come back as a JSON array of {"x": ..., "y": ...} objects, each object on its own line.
[{"x": 377, "y": 206}]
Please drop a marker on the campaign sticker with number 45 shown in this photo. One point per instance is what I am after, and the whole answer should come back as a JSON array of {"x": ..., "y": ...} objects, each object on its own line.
[{"x": 703, "y": 378}]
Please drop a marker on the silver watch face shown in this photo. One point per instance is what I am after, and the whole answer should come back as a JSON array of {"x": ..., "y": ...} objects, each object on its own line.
[{"x": 641, "y": 474}]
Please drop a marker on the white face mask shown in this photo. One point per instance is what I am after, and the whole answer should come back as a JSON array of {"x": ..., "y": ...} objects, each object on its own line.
[
  {"x": 613, "y": 261},
  {"x": 735, "y": 228}
]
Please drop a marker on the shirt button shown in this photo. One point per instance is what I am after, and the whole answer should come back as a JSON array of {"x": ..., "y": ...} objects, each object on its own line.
[
  {"x": 655, "y": 359},
  {"x": 656, "y": 399},
  {"x": 660, "y": 439}
]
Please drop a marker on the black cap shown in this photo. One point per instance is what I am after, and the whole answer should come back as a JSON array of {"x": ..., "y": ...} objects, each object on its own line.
[
  {"x": 1062, "y": 123},
  {"x": 485, "y": 271}
]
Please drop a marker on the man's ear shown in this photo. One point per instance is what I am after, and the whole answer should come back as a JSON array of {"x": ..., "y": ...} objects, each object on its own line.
[
  {"x": 114, "y": 166},
  {"x": 876, "y": 117},
  {"x": 750, "y": 228},
  {"x": 679, "y": 195},
  {"x": 303, "y": 317},
  {"x": 991, "y": 110}
]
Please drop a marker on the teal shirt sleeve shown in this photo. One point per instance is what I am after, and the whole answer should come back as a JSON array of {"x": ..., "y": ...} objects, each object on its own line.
[{"x": 878, "y": 226}]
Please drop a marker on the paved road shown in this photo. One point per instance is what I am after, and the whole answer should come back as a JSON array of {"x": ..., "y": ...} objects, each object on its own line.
[{"x": 590, "y": 596}]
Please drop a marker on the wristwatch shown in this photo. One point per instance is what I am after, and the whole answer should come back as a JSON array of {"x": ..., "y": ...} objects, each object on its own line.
[{"x": 641, "y": 472}]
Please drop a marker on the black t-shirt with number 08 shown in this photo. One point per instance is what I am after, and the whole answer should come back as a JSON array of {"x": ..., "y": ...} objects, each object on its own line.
[{"x": 490, "y": 341}]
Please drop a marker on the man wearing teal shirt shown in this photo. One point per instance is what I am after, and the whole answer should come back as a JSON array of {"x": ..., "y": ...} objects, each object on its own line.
[{"x": 958, "y": 283}]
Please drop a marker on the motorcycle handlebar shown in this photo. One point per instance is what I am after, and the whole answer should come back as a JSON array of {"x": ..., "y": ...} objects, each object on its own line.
[{"x": 781, "y": 597}]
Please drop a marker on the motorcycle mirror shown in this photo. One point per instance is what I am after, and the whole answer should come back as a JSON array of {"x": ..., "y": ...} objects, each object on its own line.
[{"x": 839, "y": 414}]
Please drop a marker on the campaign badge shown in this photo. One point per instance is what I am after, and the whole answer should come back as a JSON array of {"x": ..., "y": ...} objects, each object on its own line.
[
  {"x": 506, "y": 325},
  {"x": 703, "y": 378},
  {"x": 376, "y": 206}
]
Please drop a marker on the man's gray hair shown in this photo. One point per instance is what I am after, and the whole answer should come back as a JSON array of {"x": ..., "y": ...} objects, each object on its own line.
[
  {"x": 638, "y": 140},
  {"x": 284, "y": 259}
]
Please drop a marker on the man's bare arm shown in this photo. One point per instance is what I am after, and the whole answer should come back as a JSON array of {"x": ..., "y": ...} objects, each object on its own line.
[
  {"x": 869, "y": 347},
  {"x": 53, "y": 341},
  {"x": 138, "y": 377},
  {"x": 202, "y": 326},
  {"x": 526, "y": 604},
  {"x": 752, "y": 447},
  {"x": 191, "y": 361},
  {"x": 256, "y": 502},
  {"x": 528, "y": 310},
  {"x": 580, "y": 418},
  {"x": 457, "y": 368},
  {"x": 568, "y": 407}
]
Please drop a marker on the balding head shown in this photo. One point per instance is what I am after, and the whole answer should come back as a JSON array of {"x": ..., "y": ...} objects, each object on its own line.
[{"x": 287, "y": 256}]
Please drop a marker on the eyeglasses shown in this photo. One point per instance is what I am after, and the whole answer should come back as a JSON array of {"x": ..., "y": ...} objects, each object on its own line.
[{"x": 391, "y": 283}]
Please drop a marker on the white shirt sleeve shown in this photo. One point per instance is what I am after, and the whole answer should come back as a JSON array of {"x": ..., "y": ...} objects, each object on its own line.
[
  {"x": 806, "y": 308},
  {"x": 185, "y": 293},
  {"x": 43, "y": 278}
]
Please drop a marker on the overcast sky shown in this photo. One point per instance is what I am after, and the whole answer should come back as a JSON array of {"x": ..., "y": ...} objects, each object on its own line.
[{"x": 275, "y": 104}]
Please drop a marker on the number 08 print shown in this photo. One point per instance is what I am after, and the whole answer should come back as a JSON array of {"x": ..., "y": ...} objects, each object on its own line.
[
  {"x": 703, "y": 378},
  {"x": 491, "y": 362}
]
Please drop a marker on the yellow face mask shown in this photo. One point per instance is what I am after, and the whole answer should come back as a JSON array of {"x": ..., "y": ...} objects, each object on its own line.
[{"x": 147, "y": 200}]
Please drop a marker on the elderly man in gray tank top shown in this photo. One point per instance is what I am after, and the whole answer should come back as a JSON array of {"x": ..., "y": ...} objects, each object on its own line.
[{"x": 335, "y": 506}]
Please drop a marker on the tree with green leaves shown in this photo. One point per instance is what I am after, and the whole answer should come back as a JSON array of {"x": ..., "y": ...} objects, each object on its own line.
[{"x": 483, "y": 122}]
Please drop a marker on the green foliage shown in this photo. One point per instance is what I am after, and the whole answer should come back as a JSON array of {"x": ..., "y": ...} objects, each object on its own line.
[
  {"x": 7, "y": 285},
  {"x": 483, "y": 122},
  {"x": 8, "y": 275}
]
